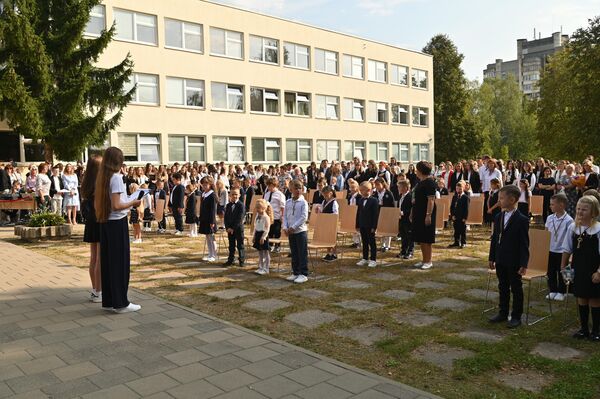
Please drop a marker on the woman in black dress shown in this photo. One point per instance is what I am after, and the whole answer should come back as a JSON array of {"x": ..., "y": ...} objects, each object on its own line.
[
  {"x": 546, "y": 187},
  {"x": 411, "y": 175},
  {"x": 423, "y": 213},
  {"x": 583, "y": 243},
  {"x": 91, "y": 233}
]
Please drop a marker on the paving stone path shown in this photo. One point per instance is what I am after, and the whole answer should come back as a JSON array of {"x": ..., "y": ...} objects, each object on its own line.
[{"x": 53, "y": 343}]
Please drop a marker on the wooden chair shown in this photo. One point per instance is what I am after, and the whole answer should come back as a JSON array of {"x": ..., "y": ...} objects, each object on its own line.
[
  {"x": 325, "y": 234},
  {"x": 388, "y": 223},
  {"x": 250, "y": 212},
  {"x": 347, "y": 222},
  {"x": 281, "y": 241},
  {"x": 341, "y": 194},
  {"x": 536, "y": 205},
  {"x": 476, "y": 211},
  {"x": 311, "y": 194},
  {"x": 537, "y": 268},
  {"x": 440, "y": 212},
  {"x": 312, "y": 218},
  {"x": 447, "y": 199}
]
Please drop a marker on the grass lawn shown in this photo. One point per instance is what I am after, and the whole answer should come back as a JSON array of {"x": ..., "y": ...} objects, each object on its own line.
[{"x": 395, "y": 329}]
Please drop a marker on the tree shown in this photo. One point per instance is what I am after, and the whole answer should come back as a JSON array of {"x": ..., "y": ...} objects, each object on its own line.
[
  {"x": 455, "y": 137},
  {"x": 50, "y": 88},
  {"x": 568, "y": 117}
]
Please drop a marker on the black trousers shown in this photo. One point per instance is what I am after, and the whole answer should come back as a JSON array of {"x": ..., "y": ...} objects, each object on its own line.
[
  {"x": 486, "y": 217},
  {"x": 509, "y": 280},
  {"x": 368, "y": 244},
  {"x": 408, "y": 246},
  {"x": 114, "y": 259},
  {"x": 555, "y": 279},
  {"x": 275, "y": 231},
  {"x": 236, "y": 240},
  {"x": 178, "y": 220},
  {"x": 299, "y": 251},
  {"x": 460, "y": 232},
  {"x": 162, "y": 224}
]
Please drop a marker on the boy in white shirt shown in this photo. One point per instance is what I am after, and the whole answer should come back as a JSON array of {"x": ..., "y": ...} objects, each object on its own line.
[{"x": 557, "y": 224}]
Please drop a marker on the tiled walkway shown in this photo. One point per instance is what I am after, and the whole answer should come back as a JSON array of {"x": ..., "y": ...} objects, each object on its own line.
[{"x": 54, "y": 344}]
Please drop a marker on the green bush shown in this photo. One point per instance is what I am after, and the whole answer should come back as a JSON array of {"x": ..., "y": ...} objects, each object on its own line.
[{"x": 46, "y": 219}]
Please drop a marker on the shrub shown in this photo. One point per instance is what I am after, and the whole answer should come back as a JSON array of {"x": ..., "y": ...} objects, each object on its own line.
[{"x": 45, "y": 219}]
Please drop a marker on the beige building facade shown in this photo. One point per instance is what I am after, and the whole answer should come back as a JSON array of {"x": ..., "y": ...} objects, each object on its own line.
[{"x": 217, "y": 83}]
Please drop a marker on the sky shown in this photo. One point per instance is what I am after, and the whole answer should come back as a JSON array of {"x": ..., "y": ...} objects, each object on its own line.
[{"x": 482, "y": 30}]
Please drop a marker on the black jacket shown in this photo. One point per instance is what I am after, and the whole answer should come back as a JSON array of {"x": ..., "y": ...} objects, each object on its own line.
[
  {"x": 388, "y": 199},
  {"x": 235, "y": 213},
  {"x": 513, "y": 249},
  {"x": 177, "y": 197},
  {"x": 4, "y": 180},
  {"x": 474, "y": 181},
  {"x": 455, "y": 178},
  {"x": 367, "y": 215},
  {"x": 406, "y": 207},
  {"x": 247, "y": 197},
  {"x": 53, "y": 188},
  {"x": 459, "y": 207}
]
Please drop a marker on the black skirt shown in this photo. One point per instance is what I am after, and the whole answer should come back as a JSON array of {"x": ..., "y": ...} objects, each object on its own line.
[
  {"x": 256, "y": 242},
  {"x": 91, "y": 232},
  {"x": 585, "y": 263},
  {"x": 204, "y": 228},
  {"x": 134, "y": 216}
]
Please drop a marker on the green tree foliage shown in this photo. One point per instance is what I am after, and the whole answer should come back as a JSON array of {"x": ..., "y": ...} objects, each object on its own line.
[
  {"x": 455, "y": 134},
  {"x": 50, "y": 86},
  {"x": 568, "y": 114}
]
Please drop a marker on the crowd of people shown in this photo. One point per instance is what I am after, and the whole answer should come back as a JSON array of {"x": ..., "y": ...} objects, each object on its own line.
[{"x": 207, "y": 198}]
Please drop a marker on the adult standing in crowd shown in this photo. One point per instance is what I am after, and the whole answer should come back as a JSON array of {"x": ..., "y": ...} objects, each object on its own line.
[
  {"x": 71, "y": 199},
  {"x": 91, "y": 233},
  {"x": 423, "y": 213},
  {"x": 112, "y": 206},
  {"x": 570, "y": 190}
]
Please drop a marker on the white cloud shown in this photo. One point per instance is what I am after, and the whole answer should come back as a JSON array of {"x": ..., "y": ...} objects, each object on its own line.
[{"x": 381, "y": 7}]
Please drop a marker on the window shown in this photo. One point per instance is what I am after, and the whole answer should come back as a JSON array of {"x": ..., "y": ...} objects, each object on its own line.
[
  {"x": 264, "y": 100},
  {"x": 298, "y": 150},
  {"x": 265, "y": 150},
  {"x": 419, "y": 78},
  {"x": 401, "y": 151},
  {"x": 354, "y": 67},
  {"x": 226, "y": 43},
  {"x": 296, "y": 55},
  {"x": 183, "y": 35},
  {"x": 378, "y": 151},
  {"x": 400, "y": 114},
  {"x": 97, "y": 22},
  {"x": 228, "y": 149},
  {"x": 420, "y": 116},
  {"x": 399, "y": 75},
  {"x": 264, "y": 49},
  {"x": 185, "y": 92},
  {"x": 327, "y": 107},
  {"x": 135, "y": 26},
  {"x": 377, "y": 71},
  {"x": 186, "y": 148},
  {"x": 420, "y": 152},
  {"x": 354, "y": 149},
  {"x": 147, "y": 88},
  {"x": 354, "y": 110},
  {"x": 328, "y": 149},
  {"x": 297, "y": 104},
  {"x": 326, "y": 61},
  {"x": 378, "y": 112},
  {"x": 140, "y": 147},
  {"x": 227, "y": 97}
]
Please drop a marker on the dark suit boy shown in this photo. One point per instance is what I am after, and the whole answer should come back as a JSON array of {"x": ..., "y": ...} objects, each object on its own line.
[
  {"x": 405, "y": 203},
  {"x": 235, "y": 213},
  {"x": 176, "y": 202},
  {"x": 459, "y": 212},
  {"x": 367, "y": 216},
  {"x": 509, "y": 255}
]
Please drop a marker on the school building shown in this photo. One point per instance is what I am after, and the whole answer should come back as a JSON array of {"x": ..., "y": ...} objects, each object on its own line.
[{"x": 218, "y": 83}]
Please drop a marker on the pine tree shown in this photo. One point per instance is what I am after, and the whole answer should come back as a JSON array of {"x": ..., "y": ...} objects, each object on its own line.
[{"x": 50, "y": 87}]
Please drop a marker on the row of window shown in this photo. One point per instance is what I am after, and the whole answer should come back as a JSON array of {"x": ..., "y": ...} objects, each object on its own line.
[
  {"x": 190, "y": 93},
  {"x": 146, "y": 148},
  {"x": 142, "y": 28}
]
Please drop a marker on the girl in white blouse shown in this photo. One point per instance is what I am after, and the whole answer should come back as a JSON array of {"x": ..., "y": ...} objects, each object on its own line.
[{"x": 262, "y": 225}]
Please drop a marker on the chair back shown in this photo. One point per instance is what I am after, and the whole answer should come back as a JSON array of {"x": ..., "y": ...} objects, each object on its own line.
[
  {"x": 536, "y": 207},
  {"x": 311, "y": 194},
  {"x": 312, "y": 218},
  {"x": 160, "y": 207},
  {"x": 387, "y": 224},
  {"x": 253, "y": 201},
  {"x": 539, "y": 252},
  {"x": 326, "y": 227},
  {"x": 440, "y": 212},
  {"x": 341, "y": 195},
  {"x": 348, "y": 217},
  {"x": 476, "y": 210},
  {"x": 448, "y": 201}
]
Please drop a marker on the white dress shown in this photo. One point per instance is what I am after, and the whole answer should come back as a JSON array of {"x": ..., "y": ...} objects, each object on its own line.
[{"x": 70, "y": 182}]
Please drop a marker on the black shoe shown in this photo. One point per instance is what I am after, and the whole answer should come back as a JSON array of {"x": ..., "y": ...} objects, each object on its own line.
[
  {"x": 400, "y": 256},
  {"x": 454, "y": 245},
  {"x": 228, "y": 263},
  {"x": 333, "y": 257},
  {"x": 498, "y": 318},
  {"x": 514, "y": 323},
  {"x": 409, "y": 256},
  {"x": 384, "y": 249},
  {"x": 581, "y": 334},
  {"x": 595, "y": 337},
  {"x": 242, "y": 263},
  {"x": 463, "y": 245},
  {"x": 327, "y": 258},
  {"x": 354, "y": 245}
]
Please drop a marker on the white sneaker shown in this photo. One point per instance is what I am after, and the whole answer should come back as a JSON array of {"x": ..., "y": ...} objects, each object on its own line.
[
  {"x": 362, "y": 262},
  {"x": 291, "y": 277},
  {"x": 97, "y": 298},
  {"x": 211, "y": 259},
  {"x": 426, "y": 266},
  {"x": 138, "y": 241},
  {"x": 418, "y": 265},
  {"x": 372, "y": 263},
  {"x": 108, "y": 308},
  {"x": 161, "y": 231},
  {"x": 551, "y": 296},
  {"x": 559, "y": 297},
  {"x": 262, "y": 272},
  {"x": 178, "y": 233},
  {"x": 131, "y": 308},
  {"x": 301, "y": 279}
]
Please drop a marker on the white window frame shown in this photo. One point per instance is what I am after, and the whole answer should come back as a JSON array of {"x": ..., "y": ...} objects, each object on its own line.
[
  {"x": 138, "y": 141},
  {"x": 95, "y": 14},
  {"x": 134, "y": 82},
  {"x": 185, "y": 81},
  {"x": 264, "y": 98},
  {"x": 379, "y": 147},
  {"x": 329, "y": 145},
  {"x": 226, "y": 43},
  {"x": 397, "y": 69},
  {"x": 229, "y": 145},
  {"x": 184, "y": 24},
  {"x": 355, "y": 104},
  {"x": 135, "y": 23},
  {"x": 328, "y": 55},
  {"x": 415, "y": 77},
  {"x": 354, "y": 62},
  {"x": 229, "y": 87},
  {"x": 298, "y": 50},
  {"x": 186, "y": 147},
  {"x": 398, "y": 154},
  {"x": 375, "y": 68},
  {"x": 406, "y": 111},
  {"x": 298, "y": 98},
  {"x": 299, "y": 147},
  {"x": 328, "y": 102},
  {"x": 374, "y": 118},
  {"x": 420, "y": 111},
  {"x": 265, "y": 147},
  {"x": 420, "y": 148},
  {"x": 355, "y": 146},
  {"x": 264, "y": 47}
]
